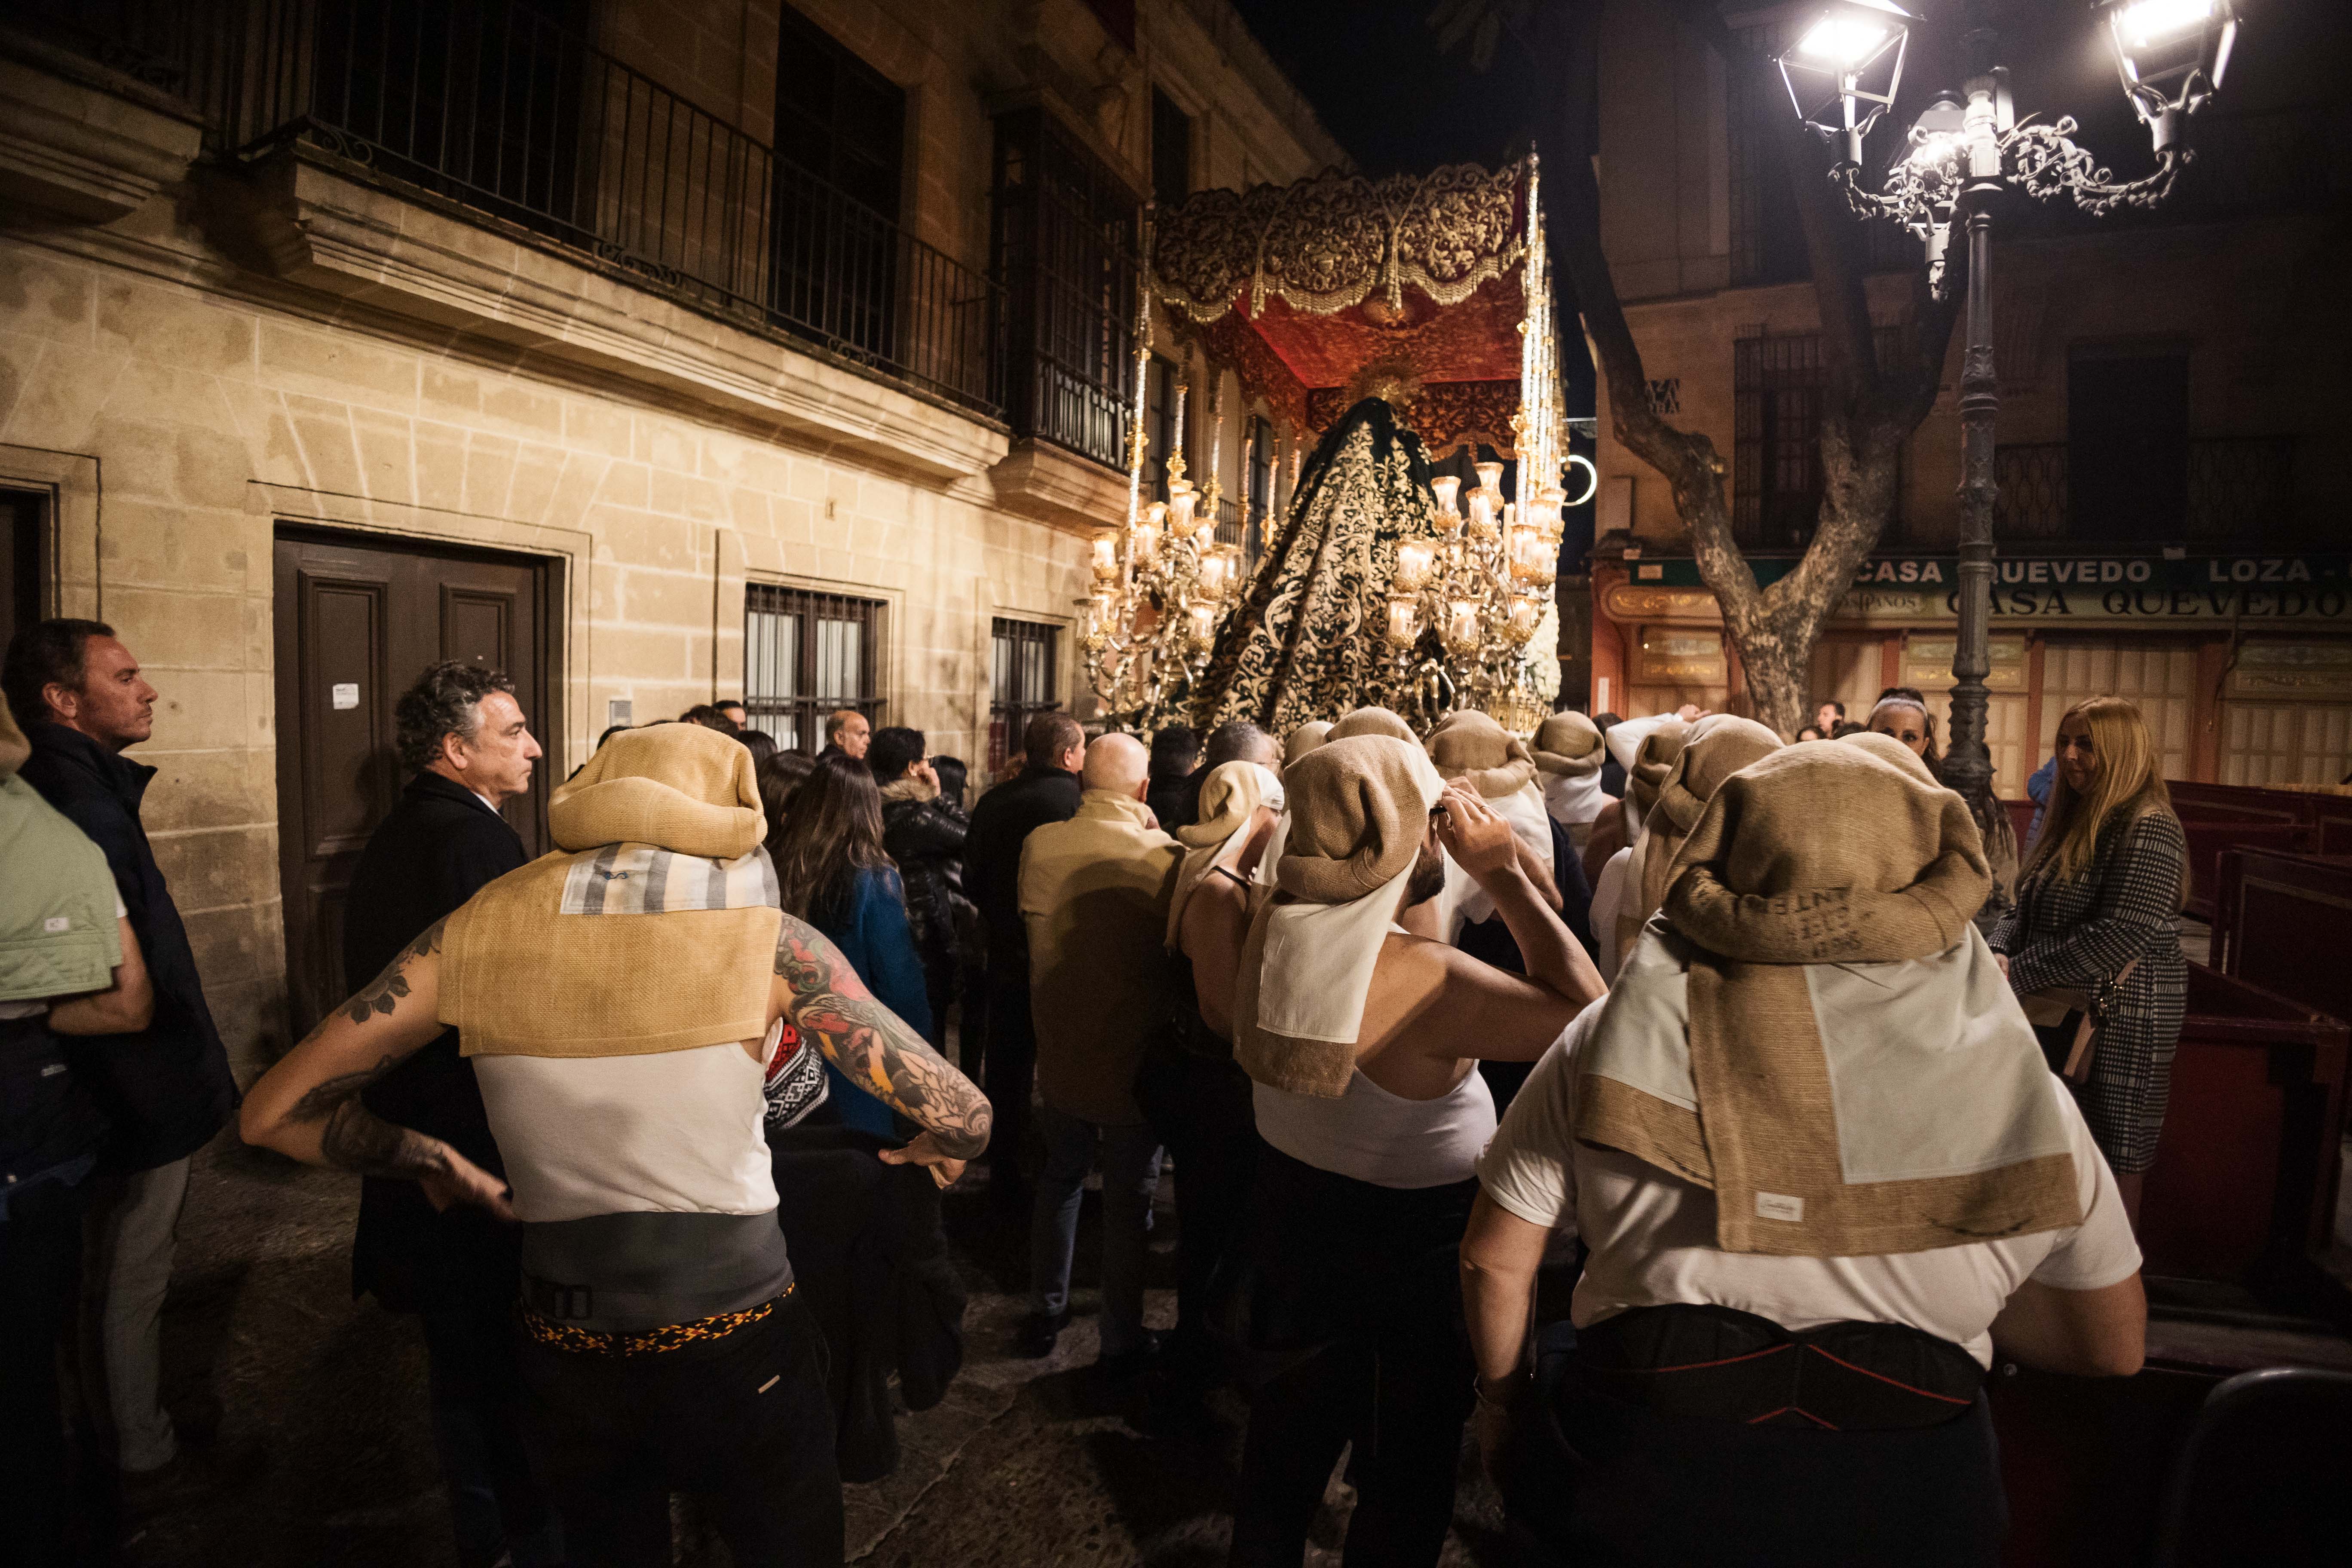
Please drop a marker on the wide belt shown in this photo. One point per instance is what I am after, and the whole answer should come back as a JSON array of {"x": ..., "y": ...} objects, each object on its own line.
[
  {"x": 631, "y": 1273},
  {"x": 1715, "y": 1364}
]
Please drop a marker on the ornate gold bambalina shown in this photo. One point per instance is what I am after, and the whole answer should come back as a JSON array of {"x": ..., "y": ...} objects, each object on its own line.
[{"x": 1390, "y": 316}]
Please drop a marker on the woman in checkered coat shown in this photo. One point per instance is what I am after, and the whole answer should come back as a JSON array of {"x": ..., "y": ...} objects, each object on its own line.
[{"x": 2101, "y": 890}]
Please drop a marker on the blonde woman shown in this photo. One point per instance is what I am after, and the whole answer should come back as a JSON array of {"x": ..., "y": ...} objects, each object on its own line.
[{"x": 2098, "y": 907}]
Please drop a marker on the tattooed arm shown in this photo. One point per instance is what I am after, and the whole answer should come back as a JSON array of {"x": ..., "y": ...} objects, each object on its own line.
[
  {"x": 308, "y": 1106},
  {"x": 817, "y": 990}
]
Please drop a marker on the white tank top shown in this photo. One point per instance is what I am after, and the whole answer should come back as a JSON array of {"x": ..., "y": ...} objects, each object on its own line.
[
  {"x": 677, "y": 1131},
  {"x": 1374, "y": 1136}
]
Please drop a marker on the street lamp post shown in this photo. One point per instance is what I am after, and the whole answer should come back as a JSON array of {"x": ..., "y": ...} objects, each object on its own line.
[{"x": 1965, "y": 151}]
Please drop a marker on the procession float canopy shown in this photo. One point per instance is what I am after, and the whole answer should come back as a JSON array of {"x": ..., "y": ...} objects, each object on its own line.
[{"x": 1387, "y": 322}]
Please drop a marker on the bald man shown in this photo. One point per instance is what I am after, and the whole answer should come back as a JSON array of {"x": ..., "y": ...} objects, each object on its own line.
[{"x": 1094, "y": 897}]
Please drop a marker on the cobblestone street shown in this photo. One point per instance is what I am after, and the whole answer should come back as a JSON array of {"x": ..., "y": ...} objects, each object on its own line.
[{"x": 1025, "y": 1462}]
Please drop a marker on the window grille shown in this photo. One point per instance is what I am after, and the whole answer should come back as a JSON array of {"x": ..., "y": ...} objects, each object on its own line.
[
  {"x": 1020, "y": 677},
  {"x": 805, "y": 655}
]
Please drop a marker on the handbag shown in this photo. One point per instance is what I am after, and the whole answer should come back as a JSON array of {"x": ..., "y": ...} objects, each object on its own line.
[{"x": 2068, "y": 1023}]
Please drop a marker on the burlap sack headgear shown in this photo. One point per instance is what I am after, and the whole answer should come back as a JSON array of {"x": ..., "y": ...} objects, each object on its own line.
[
  {"x": 1717, "y": 746},
  {"x": 1822, "y": 1137},
  {"x": 1355, "y": 820},
  {"x": 686, "y": 788},
  {"x": 1470, "y": 746},
  {"x": 1372, "y": 721},
  {"x": 1652, "y": 760},
  {"x": 1569, "y": 744},
  {"x": 1886, "y": 748},
  {"x": 1358, "y": 809},
  {"x": 653, "y": 930},
  {"x": 1303, "y": 740},
  {"x": 1229, "y": 796}
]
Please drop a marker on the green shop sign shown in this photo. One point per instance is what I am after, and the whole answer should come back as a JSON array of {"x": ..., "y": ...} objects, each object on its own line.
[{"x": 2061, "y": 588}]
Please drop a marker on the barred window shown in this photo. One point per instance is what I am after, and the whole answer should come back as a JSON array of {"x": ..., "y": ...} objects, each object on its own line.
[
  {"x": 804, "y": 655},
  {"x": 1777, "y": 384},
  {"x": 1261, "y": 490},
  {"x": 1020, "y": 667}
]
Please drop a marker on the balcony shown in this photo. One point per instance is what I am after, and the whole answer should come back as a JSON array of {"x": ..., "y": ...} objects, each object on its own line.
[
  {"x": 490, "y": 106},
  {"x": 2232, "y": 488}
]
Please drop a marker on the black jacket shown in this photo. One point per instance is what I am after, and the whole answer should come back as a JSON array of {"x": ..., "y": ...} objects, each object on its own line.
[
  {"x": 1001, "y": 823},
  {"x": 926, "y": 838},
  {"x": 1175, "y": 799},
  {"x": 167, "y": 1089},
  {"x": 429, "y": 854}
]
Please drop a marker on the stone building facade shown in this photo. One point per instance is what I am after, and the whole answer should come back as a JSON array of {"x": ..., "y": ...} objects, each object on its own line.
[
  {"x": 2173, "y": 418},
  {"x": 622, "y": 392}
]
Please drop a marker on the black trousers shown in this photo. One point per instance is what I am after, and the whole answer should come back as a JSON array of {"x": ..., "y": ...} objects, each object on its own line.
[
  {"x": 40, "y": 1262},
  {"x": 1596, "y": 1482},
  {"x": 1011, "y": 1066},
  {"x": 496, "y": 1502},
  {"x": 741, "y": 1423},
  {"x": 1356, "y": 1299},
  {"x": 1201, "y": 1109}
]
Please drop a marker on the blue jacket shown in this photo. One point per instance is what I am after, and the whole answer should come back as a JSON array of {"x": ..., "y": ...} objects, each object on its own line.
[
  {"x": 2037, "y": 789},
  {"x": 167, "y": 1089},
  {"x": 872, "y": 932}
]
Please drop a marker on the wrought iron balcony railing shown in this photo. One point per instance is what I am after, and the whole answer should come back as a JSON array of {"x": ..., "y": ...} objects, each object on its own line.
[
  {"x": 2234, "y": 488},
  {"x": 492, "y": 104}
]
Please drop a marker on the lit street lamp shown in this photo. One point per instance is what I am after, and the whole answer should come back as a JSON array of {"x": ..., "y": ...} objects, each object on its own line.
[{"x": 1966, "y": 147}]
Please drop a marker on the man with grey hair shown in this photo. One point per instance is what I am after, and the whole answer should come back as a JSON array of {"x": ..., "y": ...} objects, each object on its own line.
[
  {"x": 463, "y": 735},
  {"x": 1093, "y": 896}
]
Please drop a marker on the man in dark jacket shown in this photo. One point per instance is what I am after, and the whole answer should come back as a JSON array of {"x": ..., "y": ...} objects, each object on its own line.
[
  {"x": 461, "y": 731},
  {"x": 925, "y": 836},
  {"x": 1174, "y": 751},
  {"x": 1046, "y": 790},
  {"x": 166, "y": 1088}
]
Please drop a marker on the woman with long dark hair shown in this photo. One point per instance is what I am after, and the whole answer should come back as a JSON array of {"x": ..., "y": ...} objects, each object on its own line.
[
  {"x": 832, "y": 871},
  {"x": 2098, "y": 922}
]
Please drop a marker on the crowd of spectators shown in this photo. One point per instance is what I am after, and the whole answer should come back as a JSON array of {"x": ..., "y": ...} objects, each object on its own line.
[{"x": 1421, "y": 1019}]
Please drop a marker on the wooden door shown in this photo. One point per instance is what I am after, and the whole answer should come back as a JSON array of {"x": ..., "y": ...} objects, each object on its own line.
[{"x": 357, "y": 621}]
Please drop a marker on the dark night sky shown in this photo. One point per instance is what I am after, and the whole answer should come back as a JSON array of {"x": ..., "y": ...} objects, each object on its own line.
[{"x": 1371, "y": 69}]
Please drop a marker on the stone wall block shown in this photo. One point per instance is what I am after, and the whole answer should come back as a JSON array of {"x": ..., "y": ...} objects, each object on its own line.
[
  {"x": 537, "y": 470},
  {"x": 575, "y": 491},
  {"x": 342, "y": 365},
  {"x": 489, "y": 474},
  {"x": 666, "y": 599},
  {"x": 627, "y": 484},
  {"x": 163, "y": 544},
  {"x": 524, "y": 409},
  {"x": 650, "y": 655},
  {"x": 600, "y": 427},
  {"x": 59, "y": 399},
  {"x": 387, "y": 446},
  {"x": 446, "y": 388},
  {"x": 178, "y": 631},
  {"x": 216, "y": 868},
  {"x": 211, "y": 469},
  {"x": 174, "y": 327},
  {"x": 195, "y": 708},
  {"x": 47, "y": 296},
  {"x": 329, "y": 451},
  {"x": 227, "y": 946},
  {"x": 439, "y": 465},
  {"x": 251, "y": 1017}
]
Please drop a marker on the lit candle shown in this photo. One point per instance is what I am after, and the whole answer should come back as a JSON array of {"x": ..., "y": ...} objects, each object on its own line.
[
  {"x": 1405, "y": 622},
  {"x": 1447, "y": 488},
  {"x": 1215, "y": 573},
  {"x": 1204, "y": 624},
  {"x": 1414, "y": 557},
  {"x": 1181, "y": 507},
  {"x": 1156, "y": 514},
  {"x": 1525, "y": 611},
  {"x": 1176, "y": 442},
  {"x": 1461, "y": 622},
  {"x": 1143, "y": 546},
  {"x": 1482, "y": 513},
  {"x": 1490, "y": 477},
  {"x": 1107, "y": 555}
]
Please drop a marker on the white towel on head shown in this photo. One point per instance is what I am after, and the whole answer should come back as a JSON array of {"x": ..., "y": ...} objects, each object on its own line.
[
  {"x": 1319, "y": 961},
  {"x": 1624, "y": 740},
  {"x": 1466, "y": 901},
  {"x": 1573, "y": 801}
]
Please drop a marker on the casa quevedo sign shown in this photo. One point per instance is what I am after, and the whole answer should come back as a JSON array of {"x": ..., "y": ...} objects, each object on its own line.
[{"x": 2044, "y": 590}]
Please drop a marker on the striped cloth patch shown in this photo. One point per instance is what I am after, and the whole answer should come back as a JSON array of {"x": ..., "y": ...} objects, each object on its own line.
[{"x": 645, "y": 879}]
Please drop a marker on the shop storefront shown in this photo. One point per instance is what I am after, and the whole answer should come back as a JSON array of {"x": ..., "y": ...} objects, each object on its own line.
[{"x": 2242, "y": 663}]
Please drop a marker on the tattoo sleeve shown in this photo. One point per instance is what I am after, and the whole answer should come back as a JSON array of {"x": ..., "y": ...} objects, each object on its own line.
[
  {"x": 355, "y": 1138},
  {"x": 872, "y": 1047}
]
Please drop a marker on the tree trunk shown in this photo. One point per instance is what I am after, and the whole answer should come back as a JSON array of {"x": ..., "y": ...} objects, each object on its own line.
[{"x": 1871, "y": 411}]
